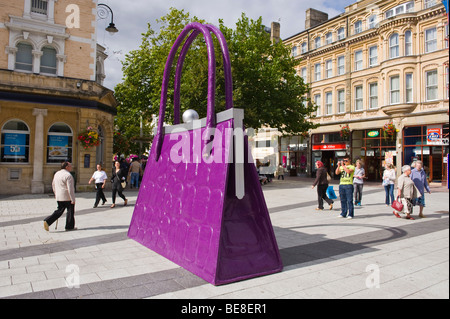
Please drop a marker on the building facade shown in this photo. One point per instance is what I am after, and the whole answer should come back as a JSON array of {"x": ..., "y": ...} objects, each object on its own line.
[
  {"x": 380, "y": 64},
  {"x": 51, "y": 75}
]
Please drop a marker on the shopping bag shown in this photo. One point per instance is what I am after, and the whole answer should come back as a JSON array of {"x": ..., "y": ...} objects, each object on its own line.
[
  {"x": 397, "y": 205},
  {"x": 201, "y": 204},
  {"x": 330, "y": 193}
]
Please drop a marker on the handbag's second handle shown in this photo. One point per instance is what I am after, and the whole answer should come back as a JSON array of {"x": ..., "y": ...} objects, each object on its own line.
[
  {"x": 226, "y": 66},
  {"x": 210, "y": 118}
]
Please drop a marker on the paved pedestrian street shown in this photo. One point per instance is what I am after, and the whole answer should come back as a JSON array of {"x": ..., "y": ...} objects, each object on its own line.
[{"x": 374, "y": 255}]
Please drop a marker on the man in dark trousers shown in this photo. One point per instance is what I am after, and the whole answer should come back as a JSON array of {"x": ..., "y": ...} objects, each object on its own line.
[{"x": 64, "y": 189}]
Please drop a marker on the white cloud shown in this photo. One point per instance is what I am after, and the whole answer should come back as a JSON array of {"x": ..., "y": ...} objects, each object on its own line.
[{"x": 131, "y": 18}]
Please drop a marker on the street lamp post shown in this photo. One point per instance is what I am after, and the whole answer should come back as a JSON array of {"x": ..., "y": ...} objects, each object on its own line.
[{"x": 103, "y": 14}]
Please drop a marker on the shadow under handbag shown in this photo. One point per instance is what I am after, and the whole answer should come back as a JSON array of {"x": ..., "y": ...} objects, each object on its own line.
[
  {"x": 397, "y": 204},
  {"x": 201, "y": 204}
]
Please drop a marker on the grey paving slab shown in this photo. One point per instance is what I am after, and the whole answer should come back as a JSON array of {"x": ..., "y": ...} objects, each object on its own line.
[{"x": 323, "y": 256}]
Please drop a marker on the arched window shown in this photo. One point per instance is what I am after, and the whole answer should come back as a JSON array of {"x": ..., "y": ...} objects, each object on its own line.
[
  {"x": 59, "y": 143},
  {"x": 393, "y": 46},
  {"x": 48, "y": 60},
  {"x": 15, "y": 142},
  {"x": 408, "y": 43},
  {"x": 358, "y": 26},
  {"x": 24, "y": 57}
]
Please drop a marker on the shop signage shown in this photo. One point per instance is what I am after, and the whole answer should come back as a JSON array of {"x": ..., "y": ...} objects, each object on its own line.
[
  {"x": 373, "y": 133},
  {"x": 434, "y": 135},
  {"x": 329, "y": 147},
  {"x": 14, "y": 145},
  {"x": 58, "y": 147}
]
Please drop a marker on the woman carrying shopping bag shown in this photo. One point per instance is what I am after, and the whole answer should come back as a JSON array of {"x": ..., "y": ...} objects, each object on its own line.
[
  {"x": 322, "y": 186},
  {"x": 407, "y": 192}
]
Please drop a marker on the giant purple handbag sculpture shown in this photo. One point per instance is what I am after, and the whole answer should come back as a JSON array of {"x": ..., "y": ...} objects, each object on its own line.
[{"x": 201, "y": 204}]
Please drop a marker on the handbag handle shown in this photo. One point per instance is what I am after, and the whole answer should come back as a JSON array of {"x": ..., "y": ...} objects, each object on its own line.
[
  {"x": 226, "y": 66},
  {"x": 210, "y": 118}
]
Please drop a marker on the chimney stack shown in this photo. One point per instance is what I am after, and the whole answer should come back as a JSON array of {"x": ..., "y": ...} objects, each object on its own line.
[{"x": 314, "y": 17}]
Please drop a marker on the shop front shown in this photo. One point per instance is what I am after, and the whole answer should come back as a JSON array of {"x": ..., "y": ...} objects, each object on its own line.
[
  {"x": 328, "y": 148},
  {"x": 429, "y": 144},
  {"x": 373, "y": 148},
  {"x": 294, "y": 155}
]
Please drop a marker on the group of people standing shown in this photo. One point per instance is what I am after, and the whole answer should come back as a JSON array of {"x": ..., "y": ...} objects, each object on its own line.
[
  {"x": 411, "y": 187},
  {"x": 64, "y": 189}
]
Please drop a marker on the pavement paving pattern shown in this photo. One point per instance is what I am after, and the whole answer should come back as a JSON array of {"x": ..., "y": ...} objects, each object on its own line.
[{"x": 374, "y": 255}]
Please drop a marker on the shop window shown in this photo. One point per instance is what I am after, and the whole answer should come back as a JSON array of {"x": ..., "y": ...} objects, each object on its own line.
[
  {"x": 59, "y": 143},
  {"x": 24, "y": 57},
  {"x": 15, "y": 142},
  {"x": 48, "y": 60}
]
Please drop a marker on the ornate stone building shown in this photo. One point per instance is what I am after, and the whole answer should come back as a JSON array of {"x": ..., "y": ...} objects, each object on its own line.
[
  {"x": 51, "y": 75},
  {"x": 377, "y": 63}
]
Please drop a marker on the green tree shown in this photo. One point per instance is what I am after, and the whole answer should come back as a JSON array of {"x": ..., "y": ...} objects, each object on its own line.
[{"x": 265, "y": 83}]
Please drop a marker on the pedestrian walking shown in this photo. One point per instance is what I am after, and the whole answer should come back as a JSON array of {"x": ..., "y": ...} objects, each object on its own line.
[
  {"x": 389, "y": 177},
  {"x": 280, "y": 172},
  {"x": 63, "y": 186},
  {"x": 135, "y": 171},
  {"x": 419, "y": 177},
  {"x": 117, "y": 180},
  {"x": 358, "y": 182},
  {"x": 322, "y": 185},
  {"x": 100, "y": 178},
  {"x": 407, "y": 192},
  {"x": 346, "y": 170}
]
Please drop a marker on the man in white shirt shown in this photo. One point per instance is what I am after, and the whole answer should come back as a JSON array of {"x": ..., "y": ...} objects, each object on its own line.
[
  {"x": 64, "y": 189},
  {"x": 100, "y": 180}
]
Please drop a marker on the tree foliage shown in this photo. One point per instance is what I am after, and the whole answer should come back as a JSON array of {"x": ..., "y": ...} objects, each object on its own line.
[{"x": 265, "y": 83}]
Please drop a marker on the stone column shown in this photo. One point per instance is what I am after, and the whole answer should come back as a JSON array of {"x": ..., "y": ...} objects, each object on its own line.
[{"x": 37, "y": 184}]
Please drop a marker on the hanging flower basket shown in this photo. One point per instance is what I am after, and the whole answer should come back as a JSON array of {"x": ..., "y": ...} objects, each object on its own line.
[
  {"x": 89, "y": 138},
  {"x": 345, "y": 132},
  {"x": 389, "y": 131}
]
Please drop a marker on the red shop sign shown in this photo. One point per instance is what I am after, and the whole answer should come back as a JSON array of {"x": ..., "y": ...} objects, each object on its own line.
[{"x": 326, "y": 147}]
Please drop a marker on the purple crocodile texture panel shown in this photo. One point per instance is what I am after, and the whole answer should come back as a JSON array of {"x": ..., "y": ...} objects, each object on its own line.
[{"x": 179, "y": 207}]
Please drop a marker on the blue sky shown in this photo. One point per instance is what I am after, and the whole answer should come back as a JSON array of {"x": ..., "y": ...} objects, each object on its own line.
[{"x": 131, "y": 18}]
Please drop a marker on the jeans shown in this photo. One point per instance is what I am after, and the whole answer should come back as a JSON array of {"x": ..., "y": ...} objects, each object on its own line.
[
  {"x": 389, "y": 189},
  {"x": 346, "y": 195},
  {"x": 358, "y": 188},
  {"x": 70, "y": 218},
  {"x": 134, "y": 180}
]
